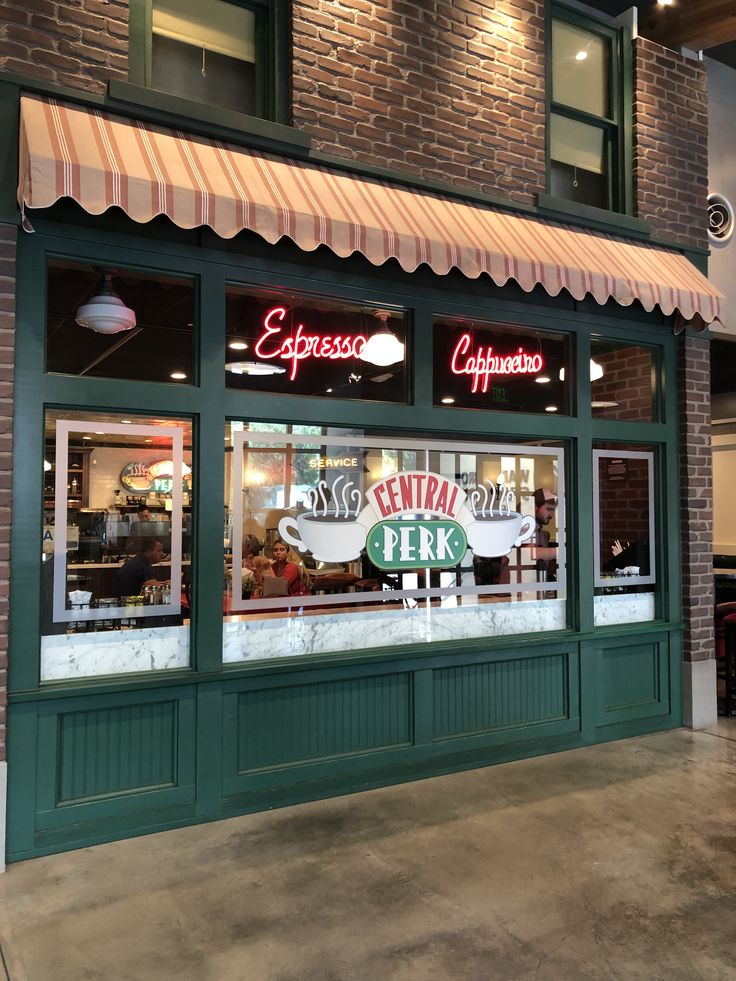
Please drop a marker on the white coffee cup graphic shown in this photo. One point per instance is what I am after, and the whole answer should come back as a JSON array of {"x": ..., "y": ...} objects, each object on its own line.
[
  {"x": 329, "y": 538},
  {"x": 493, "y": 535}
]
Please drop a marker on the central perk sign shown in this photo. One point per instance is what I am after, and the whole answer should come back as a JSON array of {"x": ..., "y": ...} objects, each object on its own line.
[{"x": 411, "y": 520}]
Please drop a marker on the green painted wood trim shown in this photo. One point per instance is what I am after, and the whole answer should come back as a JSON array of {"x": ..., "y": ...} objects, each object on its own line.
[
  {"x": 611, "y": 222},
  {"x": 140, "y": 34},
  {"x": 226, "y": 123},
  {"x": 9, "y": 126},
  {"x": 580, "y": 510}
]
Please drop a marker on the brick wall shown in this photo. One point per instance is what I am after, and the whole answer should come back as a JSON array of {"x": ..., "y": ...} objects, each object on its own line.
[
  {"x": 8, "y": 235},
  {"x": 80, "y": 43},
  {"x": 696, "y": 497},
  {"x": 447, "y": 90},
  {"x": 627, "y": 381},
  {"x": 671, "y": 143}
]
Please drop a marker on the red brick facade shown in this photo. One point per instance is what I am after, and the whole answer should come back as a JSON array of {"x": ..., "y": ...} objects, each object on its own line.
[
  {"x": 696, "y": 499},
  {"x": 451, "y": 91},
  {"x": 8, "y": 236},
  {"x": 80, "y": 43},
  {"x": 671, "y": 143}
]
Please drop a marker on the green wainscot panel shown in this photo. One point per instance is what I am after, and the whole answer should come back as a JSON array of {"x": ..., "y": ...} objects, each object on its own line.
[
  {"x": 633, "y": 681},
  {"x": 500, "y": 695},
  {"x": 113, "y": 755},
  {"x": 293, "y": 724}
]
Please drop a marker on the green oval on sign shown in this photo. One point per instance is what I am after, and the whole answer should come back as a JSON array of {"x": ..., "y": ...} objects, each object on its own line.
[{"x": 416, "y": 543}]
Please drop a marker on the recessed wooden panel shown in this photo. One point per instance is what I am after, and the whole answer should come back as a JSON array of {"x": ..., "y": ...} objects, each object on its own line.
[
  {"x": 116, "y": 750},
  {"x": 500, "y": 695},
  {"x": 286, "y": 725},
  {"x": 629, "y": 676}
]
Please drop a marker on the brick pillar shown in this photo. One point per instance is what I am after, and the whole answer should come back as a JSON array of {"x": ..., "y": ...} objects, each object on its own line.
[{"x": 696, "y": 527}]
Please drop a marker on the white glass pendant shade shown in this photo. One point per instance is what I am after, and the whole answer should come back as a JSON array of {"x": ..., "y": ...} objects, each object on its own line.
[
  {"x": 106, "y": 313},
  {"x": 596, "y": 371}
]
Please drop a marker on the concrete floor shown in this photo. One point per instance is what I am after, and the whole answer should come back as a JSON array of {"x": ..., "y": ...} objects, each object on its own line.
[{"x": 614, "y": 862}]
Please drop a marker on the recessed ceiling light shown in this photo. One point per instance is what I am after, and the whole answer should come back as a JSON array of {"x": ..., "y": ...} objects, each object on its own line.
[
  {"x": 542, "y": 379},
  {"x": 665, "y": 3},
  {"x": 603, "y": 405},
  {"x": 448, "y": 400},
  {"x": 550, "y": 408},
  {"x": 86, "y": 437},
  {"x": 581, "y": 56},
  {"x": 126, "y": 422},
  {"x": 329, "y": 391},
  {"x": 177, "y": 376},
  {"x": 237, "y": 345},
  {"x": 147, "y": 440}
]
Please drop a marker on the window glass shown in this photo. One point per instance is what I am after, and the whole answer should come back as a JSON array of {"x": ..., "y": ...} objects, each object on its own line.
[
  {"x": 497, "y": 366},
  {"x": 205, "y": 50},
  {"x": 106, "y": 324},
  {"x": 298, "y": 345},
  {"x": 580, "y": 69},
  {"x": 116, "y": 544},
  {"x": 578, "y": 161},
  {"x": 622, "y": 383},
  {"x": 623, "y": 509},
  {"x": 338, "y": 540}
]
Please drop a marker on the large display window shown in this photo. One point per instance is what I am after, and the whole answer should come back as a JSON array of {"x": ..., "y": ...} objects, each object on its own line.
[
  {"x": 116, "y": 542},
  {"x": 339, "y": 540}
]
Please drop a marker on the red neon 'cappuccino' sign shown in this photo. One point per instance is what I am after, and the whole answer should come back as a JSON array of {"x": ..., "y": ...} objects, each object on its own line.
[
  {"x": 302, "y": 345},
  {"x": 484, "y": 363}
]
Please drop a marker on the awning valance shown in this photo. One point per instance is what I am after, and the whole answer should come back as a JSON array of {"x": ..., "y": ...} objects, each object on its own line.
[{"x": 102, "y": 160}]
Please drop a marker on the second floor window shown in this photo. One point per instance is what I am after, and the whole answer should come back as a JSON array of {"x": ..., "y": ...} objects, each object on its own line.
[
  {"x": 211, "y": 51},
  {"x": 584, "y": 140}
]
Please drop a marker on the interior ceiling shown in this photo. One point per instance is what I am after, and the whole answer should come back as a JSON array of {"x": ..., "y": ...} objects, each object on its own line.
[{"x": 707, "y": 25}]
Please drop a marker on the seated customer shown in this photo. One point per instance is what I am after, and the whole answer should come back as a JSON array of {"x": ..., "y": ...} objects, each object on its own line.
[
  {"x": 286, "y": 566},
  {"x": 137, "y": 571}
]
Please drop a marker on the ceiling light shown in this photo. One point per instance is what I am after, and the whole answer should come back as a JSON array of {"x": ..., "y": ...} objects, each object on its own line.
[
  {"x": 603, "y": 405},
  {"x": 127, "y": 422},
  {"x": 253, "y": 368},
  {"x": 665, "y": 3},
  {"x": 86, "y": 437},
  {"x": 147, "y": 440},
  {"x": 581, "y": 56},
  {"x": 550, "y": 408},
  {"x": 106, "y": 313},
  {"x": 99, "y": 432},
  {"x": 329, "y": 391},
  {"x": 596, "y": 371},
  {"x": 448, "y": 400},
  {"x": 177, "y": 376},
  {"x": 542, "y": 379},
  {"x": 237, "y": 345},
  {"x": 383, "y": 348},
  {"x": 46, "y": 466}
]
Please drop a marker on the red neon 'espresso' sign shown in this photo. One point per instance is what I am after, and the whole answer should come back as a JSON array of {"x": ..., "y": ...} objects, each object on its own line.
[
  {"x": 303, "y": 345},
  {"x": 483, "y": 364}
]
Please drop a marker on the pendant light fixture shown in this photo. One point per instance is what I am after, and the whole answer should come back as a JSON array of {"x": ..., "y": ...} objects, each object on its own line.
[
  {"x": 105, "y": 312},
  {"x": 596, "y": 371},
  {"x": 383, "y": 348}
]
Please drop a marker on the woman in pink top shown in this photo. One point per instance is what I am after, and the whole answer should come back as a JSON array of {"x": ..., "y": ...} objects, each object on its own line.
[{"x": 284, "y": 567}]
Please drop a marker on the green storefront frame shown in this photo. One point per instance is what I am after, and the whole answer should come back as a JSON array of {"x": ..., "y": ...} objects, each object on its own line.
[{"x": 232, "y": 746}]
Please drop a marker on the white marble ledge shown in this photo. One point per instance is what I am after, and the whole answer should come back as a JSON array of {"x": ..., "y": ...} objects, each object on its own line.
[
  {"x": 300, "y": 636},
  {"x": 113, "y": 652},
  {"x": 623, "y": 608}
]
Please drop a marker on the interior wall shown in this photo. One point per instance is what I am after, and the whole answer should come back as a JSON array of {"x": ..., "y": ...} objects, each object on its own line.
[
  {"x": 724, "y": 484},
  {"x": 722, "y": 180}
]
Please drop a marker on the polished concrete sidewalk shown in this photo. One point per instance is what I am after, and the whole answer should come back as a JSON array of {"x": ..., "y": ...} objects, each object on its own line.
[{"x": 614, "y": 862}]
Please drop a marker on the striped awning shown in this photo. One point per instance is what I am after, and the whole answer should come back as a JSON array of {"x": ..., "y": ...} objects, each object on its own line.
[{"x": 103, "y": 160}]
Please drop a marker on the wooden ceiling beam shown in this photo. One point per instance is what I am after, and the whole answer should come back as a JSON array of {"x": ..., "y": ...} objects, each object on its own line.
[{"x": 696, "y": 24}]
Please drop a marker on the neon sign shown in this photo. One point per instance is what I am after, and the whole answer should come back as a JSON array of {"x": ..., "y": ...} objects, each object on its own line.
[
  {"x": 484, "y": 364},
  {"x": 304, "y": 345}
]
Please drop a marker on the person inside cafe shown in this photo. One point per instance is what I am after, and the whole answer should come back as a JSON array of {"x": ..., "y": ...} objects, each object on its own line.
[
  {"x": 137, "y": 571},
  {"x": 286, "y": 565},
  {"x": 544, "y": 551}
]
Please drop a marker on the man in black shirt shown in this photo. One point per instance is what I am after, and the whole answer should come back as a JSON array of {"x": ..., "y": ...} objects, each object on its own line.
[{"x": 137, "y": 571}]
